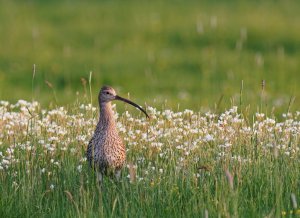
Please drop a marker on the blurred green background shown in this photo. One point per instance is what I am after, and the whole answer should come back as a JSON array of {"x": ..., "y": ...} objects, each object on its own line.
[{"x": 187, "y": 53}]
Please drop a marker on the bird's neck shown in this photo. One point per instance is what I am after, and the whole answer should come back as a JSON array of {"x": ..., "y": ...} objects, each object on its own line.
[{"x": 106, "y": 115}]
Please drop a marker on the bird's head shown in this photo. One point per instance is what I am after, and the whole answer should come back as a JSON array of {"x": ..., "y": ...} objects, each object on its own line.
[{"x": 108, "y": 94}]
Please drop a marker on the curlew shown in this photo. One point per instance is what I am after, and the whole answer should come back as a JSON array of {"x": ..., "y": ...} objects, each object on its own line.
[{"x": 106, "y": 151}]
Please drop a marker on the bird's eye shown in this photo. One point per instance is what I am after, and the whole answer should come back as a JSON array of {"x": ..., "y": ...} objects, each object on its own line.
[{"x": 107, "y": 93}]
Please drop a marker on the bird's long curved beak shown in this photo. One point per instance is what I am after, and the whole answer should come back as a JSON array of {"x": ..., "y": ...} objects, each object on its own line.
[{"x": 132, "y": 103}]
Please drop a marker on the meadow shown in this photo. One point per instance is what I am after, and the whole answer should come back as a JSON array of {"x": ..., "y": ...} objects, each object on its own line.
[
  {"x": 179, "y": 164},
  {"x": 219, "y": 80},
  {"x": 187, "y": 54}
]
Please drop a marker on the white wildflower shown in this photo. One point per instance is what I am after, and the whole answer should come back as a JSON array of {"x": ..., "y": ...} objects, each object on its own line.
[
  {"x": 208, "y": 138},
  {"x": 79, "y": 168}
]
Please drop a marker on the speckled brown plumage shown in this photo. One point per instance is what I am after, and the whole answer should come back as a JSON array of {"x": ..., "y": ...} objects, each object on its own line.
[{"x": 106, "y": 151}]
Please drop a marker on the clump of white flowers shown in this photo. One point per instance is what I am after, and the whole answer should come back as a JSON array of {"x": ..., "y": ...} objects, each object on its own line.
[{"x": 27, "y": 130}]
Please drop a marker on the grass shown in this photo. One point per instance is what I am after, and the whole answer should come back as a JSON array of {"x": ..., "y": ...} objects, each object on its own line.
[
  {"x": 176, "y": 53},
  {"x": 173, "y": 55},
  {"x": 179, "y": 164}
]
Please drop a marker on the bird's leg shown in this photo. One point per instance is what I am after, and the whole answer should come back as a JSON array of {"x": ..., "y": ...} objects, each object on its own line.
[
  {"x": 118, "y": 175},
  {"x": 99, "y": 177}
]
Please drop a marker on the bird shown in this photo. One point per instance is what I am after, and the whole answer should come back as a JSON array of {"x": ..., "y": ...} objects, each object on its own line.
[{"x": 106, "y": 151}]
